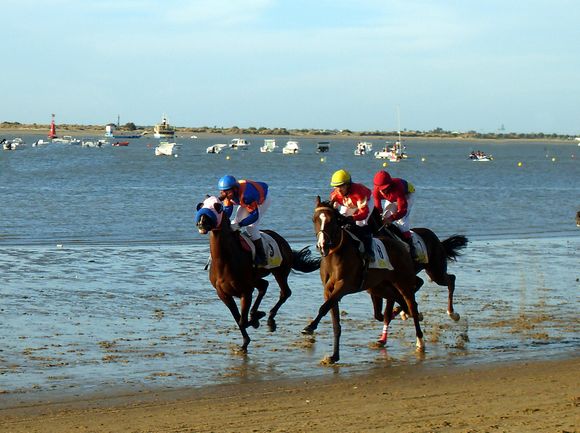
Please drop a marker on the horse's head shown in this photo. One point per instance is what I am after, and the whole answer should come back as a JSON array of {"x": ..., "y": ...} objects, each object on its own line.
[
  {"x": 327, "y": 224},
  {"x": 209, "y": 215}
]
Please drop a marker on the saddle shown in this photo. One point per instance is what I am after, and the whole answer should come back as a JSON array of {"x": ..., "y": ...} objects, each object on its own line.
[{"x": 271, "y": 248}]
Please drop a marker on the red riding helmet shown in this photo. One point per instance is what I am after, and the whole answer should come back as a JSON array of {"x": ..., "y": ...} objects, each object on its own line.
[{"x": 382, "y": 178}]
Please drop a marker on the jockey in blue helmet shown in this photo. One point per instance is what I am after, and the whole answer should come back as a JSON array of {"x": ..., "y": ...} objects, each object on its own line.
[{"x": 253, "y": 201}]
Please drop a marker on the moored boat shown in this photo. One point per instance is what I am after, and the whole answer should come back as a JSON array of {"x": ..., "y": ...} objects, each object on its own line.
[
  {"x": 239, "y": 144},
  {"x": 363, "y": 148},
  {"x": 167, "y": 148},
  {"x": 478, "y": 155},
  {"x": 269, "y": 145},
  {"x": 292, "y": 147},
  {"x": 163, "y": 129}
]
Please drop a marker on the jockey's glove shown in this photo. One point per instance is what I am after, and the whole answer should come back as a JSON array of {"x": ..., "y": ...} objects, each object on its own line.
[{"x": 235, "y": 227}]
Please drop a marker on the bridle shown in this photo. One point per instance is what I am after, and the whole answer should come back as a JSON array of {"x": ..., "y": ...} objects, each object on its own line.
[{"x": 322, "y": 236}]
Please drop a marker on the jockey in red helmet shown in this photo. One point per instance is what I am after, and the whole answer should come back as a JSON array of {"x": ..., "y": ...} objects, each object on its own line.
[{"x": 399, "y": 197}]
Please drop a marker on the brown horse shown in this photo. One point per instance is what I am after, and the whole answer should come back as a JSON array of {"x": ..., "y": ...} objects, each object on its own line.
[
  {"x": 233, "y": 274},
  {"x": 438, "y": 253},
  {"x": 342, "y": 272}
]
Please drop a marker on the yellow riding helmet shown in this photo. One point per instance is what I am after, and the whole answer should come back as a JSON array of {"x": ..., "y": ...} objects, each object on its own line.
[{"x": 340, "y": 177}]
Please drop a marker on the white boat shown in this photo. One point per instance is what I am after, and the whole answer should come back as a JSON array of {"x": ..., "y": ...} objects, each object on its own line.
[
  {"x": 239, "y": 144},
  {"x": 216, "y": 148},
  {"x": 480, "y": 156},
  {"x": 15, "y": 144},
  {"x": 292, "y": 147},
  {"x": 163, "y": 129},
  {"x": 269, "y": 145},
  {"x": 40, "y": 142},
  {"x": 393, "y": 153},
  {"x": 167, "y": 148},
  {"x": 363, "y": 148},
  {"x": 66, "y": 139}
]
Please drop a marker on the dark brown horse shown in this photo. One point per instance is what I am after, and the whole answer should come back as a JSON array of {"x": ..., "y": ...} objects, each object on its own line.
[
  {"x": 438, "y": 253},
  {"x": 342, "y": 272},
  {"x": 233, "y": 274}
]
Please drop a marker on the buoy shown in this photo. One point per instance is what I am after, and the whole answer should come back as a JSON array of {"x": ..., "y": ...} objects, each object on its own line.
[
  {"x": 59, "y": 245},
  {"x": 322, "y": 159},
  {"x": 422, "y": 159},
  {"x": 553, "y": 159},
  {"x": 228, "y": 157},
  {"x": 385, "y": 164},
  {"x": 519, "y": 164}
]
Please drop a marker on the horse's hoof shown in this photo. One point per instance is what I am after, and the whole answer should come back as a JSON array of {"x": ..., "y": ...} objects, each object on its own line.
[
  {"x": 454, "y": 316},
  {"x": 272, "y": 325},
  {"x": 329, "y": 360},
  {"x": 380, "y": 318},
  {"x": 420, "y": 345},
  {"x": 379, "y": 344},
  {"x": 307, "y": 331},
  {"x": 404, "y": 316}
]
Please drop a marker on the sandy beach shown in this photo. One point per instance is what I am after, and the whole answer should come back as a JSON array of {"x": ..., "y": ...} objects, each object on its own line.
[{"x": 532, "y": 396}]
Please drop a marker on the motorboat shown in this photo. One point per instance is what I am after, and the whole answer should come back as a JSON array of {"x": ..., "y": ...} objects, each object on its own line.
[
  {"x": 167, "y": 148},
  {"x": 292, "y": 147},
  {"x": 363, "y": 148},
  {"x": 478, "y": 155},
  {"x": 393, "y": 153},
  {"x": 216, "y": 148},
  {"x": 163, "y": 129},
  {"x": 269, "y": 145},
  {"x": 14, "y": 144},
  {"x": 94, "y": 143},
  {"x": 120, "y": 144},
  {"x": 66, "y": 139},
  {"x": 40, "y": 142},
  {"x": 322, "y": 146},
  {"x": 239, "y": 144}
]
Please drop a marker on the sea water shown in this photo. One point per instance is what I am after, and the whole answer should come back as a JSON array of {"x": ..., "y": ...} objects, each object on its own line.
[{"x": 102, "y": 280}]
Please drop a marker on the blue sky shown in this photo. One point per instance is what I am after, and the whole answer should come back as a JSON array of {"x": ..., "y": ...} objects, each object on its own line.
[{"x": 331, "y": 64}]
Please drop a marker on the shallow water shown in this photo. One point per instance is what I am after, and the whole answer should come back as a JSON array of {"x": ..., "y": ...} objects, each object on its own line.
[{"x": 102, "y": 283}]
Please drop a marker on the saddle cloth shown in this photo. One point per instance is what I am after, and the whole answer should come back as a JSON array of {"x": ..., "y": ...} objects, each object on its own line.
[
  {"x": 381, "y": 260},
  {"x": 271, "y": 248},
  {"x": 420, "y": 248}
]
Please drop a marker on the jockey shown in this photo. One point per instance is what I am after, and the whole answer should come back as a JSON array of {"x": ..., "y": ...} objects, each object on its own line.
[
  {"x": 253, "y": 201},
  {"x": 399, "y": 197},
  {"x": 354, "y": 200}
]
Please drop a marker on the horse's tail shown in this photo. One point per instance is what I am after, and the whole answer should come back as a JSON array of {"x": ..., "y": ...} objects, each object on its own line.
[
  {"x": 303, "y": 262},
  {"x": 453, "y": 245}
]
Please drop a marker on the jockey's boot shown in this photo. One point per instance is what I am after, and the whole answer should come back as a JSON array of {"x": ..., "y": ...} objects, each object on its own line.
[
  {"x": 260, "y": 260},
  {"x": 412, "y": 251},
  {"x": 367, "y": 239}
]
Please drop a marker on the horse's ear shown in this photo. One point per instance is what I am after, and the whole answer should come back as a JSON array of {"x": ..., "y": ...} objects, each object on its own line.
[
  {"x": 207, "y": 196},
  {"x": 199, "y": 206},
  {"x": 218, "y": 207},
  {"x": 318, "y": 201}
]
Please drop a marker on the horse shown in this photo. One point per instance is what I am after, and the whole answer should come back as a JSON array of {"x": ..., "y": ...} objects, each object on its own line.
[
  {"x": 233, "y": 274},
  {"x": 438, "y": 253},
  {"x": 343, "y": 272}
]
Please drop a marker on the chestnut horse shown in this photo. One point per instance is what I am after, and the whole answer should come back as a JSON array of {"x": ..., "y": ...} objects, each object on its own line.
[
  {"x": 342, "y": 272},
  {"x": 233, "y": 274},
  {"x": 438, "y": 253}
]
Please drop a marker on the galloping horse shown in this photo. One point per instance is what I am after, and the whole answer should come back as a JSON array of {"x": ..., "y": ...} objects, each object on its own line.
[
  {"x": 233, "y": 273},
  {"x": 438, "y": 254},
  {"x": 342, "y": 272}
]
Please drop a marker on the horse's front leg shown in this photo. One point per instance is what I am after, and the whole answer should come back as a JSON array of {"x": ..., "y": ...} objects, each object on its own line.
[
  {"x": 333, "y": 297},
  {"x": 231, "y": 304},
  {"x": 245, "y": 303},
  {"x": 388, "y": 315},
  {"x": 255, "y": 315},
  {"x": 412, "y": 306},
  {"x": 377, "y": 307},
  {"x": 337, "y": 329}
]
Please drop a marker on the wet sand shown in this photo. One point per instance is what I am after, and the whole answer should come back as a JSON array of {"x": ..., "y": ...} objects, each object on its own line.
[{"x": 533, "y": 396}]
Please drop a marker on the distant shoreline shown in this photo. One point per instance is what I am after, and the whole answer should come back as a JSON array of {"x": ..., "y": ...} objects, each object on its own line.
[{"x": 95, "y": 130}]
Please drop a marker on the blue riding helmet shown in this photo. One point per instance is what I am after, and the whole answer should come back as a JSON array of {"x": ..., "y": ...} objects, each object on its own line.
[{"x": 227, "y": 182}]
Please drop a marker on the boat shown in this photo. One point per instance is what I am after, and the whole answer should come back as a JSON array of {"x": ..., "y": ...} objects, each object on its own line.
[
  {"x": 94, "y": 143},
  {"x": 216, "y": 148},
  {"x": 394, "y": 153},
  {"x": 66, "y": 139},
  {"x": 363, "y": 148},
  {"x": 110, "y": 132},
  {"x": 239, "y": 144},
  {"x": 120, "y": 144},
  {"x": 14, "y": 144},
  {"x": 478, "y": 155},
  {"x": 163, "y": 129},
  {"x": 322, "y": 146},
  {"x": 269, "y": 145},
  {"x": 292, "y": 147},
  {"x": 40, "y": 142},
  {"x": 167, "y": 148}
]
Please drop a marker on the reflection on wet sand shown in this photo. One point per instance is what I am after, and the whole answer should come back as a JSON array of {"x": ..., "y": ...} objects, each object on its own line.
[{"x": 85, "y": 319}]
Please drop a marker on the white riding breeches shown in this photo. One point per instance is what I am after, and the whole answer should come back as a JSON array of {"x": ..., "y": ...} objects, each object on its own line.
[
  {"x": 253, "y": 230},
  {"x": 401, "y": 223}
]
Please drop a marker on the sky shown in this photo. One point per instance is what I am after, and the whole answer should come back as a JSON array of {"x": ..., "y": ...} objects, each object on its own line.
[{"x": 364, "y": 65}]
